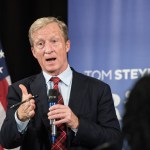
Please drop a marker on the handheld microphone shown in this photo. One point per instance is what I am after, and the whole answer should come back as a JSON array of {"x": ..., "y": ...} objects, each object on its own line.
[{"x": 52, "y": 100}]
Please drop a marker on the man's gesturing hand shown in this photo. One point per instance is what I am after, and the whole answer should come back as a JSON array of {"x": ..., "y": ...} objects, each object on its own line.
[{"x": 27, "y": 109}]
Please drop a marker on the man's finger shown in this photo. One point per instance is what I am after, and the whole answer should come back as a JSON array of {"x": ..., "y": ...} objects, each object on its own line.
[{"x": 23, "y": 89}]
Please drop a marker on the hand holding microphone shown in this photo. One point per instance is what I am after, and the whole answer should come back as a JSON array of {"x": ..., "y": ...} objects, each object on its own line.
[{"x": 59, "y": 114}]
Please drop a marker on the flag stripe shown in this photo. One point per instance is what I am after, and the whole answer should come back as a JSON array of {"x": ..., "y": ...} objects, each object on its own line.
[
  {"x": 3, "y": 93},
  {"x": 3, "y": 87}
]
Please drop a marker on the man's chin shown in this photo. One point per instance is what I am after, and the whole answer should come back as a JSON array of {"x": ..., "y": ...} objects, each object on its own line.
[{"x": 52, "y": 72}]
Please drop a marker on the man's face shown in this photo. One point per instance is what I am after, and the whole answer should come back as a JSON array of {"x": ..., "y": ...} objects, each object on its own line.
[{"x": 50, "y": 49}]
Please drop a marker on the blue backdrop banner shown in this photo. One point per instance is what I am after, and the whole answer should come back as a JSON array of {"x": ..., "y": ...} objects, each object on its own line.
[{"x": 110, "y": 40}]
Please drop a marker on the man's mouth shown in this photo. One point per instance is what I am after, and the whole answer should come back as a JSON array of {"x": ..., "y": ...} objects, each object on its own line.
[{"x": 51, "y": 59}]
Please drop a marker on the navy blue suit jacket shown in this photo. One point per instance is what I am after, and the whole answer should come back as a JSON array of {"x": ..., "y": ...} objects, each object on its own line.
[{"x": 90, "y": 99}]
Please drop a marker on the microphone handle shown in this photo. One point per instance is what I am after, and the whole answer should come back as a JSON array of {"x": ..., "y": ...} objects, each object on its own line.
[{"x": 53, "y": 127}]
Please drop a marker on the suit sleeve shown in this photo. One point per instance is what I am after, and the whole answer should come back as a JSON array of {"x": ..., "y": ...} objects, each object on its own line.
[
  {"x": 105, "y": 128},
  {"x": 10, "y": 136}
]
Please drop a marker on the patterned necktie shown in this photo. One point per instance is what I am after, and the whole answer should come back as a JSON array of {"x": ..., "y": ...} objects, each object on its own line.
[{"x": 60, "y": 143}]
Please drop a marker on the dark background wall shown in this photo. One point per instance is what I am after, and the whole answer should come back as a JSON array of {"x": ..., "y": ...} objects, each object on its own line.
[{"x": 16, "y": 16}]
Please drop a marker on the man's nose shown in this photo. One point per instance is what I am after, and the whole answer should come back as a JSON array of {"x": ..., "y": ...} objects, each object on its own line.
[{"x": 48, "y": 48}]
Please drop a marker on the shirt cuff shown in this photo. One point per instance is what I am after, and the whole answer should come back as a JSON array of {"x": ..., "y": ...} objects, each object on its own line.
[
  {"x": 21, "y": 125},
  {"x": 74, "y": 130}
]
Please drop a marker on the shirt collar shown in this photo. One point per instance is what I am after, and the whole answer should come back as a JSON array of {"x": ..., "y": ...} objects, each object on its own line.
[{"x": 65, "y": 77}]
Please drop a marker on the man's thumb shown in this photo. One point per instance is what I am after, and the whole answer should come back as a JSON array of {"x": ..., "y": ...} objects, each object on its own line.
[{"x": 23, "y": 89}]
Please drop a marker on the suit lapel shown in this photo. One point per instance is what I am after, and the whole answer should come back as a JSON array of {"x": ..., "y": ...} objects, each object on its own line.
[
  {"x": 38, "y": 87},
  {"x": 77, "y": 92}
]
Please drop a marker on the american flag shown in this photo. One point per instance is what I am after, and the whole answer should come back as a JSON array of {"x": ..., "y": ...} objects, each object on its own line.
[{"x": 4, "y": 82}]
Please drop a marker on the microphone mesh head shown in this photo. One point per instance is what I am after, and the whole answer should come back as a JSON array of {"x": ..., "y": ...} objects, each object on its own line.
[{"x": 53, "y": 95}]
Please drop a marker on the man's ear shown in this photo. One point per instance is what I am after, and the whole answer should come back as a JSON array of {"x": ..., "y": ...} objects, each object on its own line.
[
  {"x": 67, "y": 46},
  {"x": 33, "y": 52}
]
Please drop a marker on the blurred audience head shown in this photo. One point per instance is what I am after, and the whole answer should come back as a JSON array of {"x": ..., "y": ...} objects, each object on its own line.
[{"x": 136, "y": 120}]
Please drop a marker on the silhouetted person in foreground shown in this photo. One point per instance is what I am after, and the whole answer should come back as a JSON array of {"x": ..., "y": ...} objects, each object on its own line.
[{"x": 136, "y": 120}]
